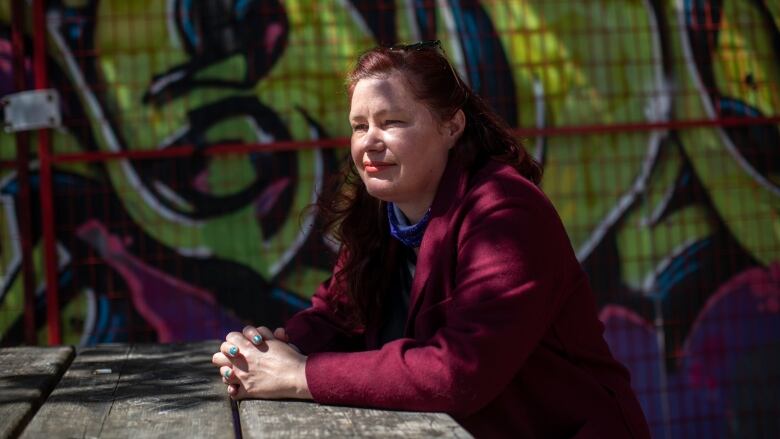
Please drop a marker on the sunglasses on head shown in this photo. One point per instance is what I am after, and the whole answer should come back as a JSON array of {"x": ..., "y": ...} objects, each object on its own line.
[
  {"x": 421, "y": 45},
  {"x": 431, "y": 45}
]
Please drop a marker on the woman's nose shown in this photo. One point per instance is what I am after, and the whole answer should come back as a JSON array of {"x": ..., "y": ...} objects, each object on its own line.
[{"x": 373, "y": 140}]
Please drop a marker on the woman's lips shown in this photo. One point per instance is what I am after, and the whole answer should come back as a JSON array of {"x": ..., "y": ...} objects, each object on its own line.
[{"x": 372, "y": 167}]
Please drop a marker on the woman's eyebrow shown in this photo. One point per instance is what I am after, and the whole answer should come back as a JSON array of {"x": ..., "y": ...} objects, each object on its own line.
[{"x": 380, "y": 113}]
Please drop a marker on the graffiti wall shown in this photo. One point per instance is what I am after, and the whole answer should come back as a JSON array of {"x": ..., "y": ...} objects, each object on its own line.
[{"x": 656, "y": 121}]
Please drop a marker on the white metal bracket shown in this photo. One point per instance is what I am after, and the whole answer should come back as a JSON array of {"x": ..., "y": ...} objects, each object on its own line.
[{"x": 31, "y": 110}]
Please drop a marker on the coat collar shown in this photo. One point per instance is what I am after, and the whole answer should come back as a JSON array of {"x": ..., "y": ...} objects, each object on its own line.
[{"x": 452, "y": 187}]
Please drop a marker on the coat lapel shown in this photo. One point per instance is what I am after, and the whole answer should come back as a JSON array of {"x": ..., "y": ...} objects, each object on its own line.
[{"x": 451, "y": 188}]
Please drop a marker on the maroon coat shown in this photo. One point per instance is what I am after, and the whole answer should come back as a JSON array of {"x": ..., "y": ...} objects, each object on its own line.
[{"x": 502, "y": 331}]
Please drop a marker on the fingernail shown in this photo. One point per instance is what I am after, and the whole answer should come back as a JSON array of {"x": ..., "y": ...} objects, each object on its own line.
[
  {"x": 227, "y": 373},
  {"x": 257, "y": 339},
  {"x": 233, "y": 351}
]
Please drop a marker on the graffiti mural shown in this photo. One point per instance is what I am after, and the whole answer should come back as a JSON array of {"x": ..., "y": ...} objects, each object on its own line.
[{"x": 676, "y": 219}]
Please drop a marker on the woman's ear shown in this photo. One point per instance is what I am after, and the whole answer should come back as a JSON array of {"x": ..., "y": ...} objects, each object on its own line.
[{"x": 454, "y": 127}]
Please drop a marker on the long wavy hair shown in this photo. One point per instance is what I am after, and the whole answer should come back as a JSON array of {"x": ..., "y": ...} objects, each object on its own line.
[{"x": 370, "y": 257}]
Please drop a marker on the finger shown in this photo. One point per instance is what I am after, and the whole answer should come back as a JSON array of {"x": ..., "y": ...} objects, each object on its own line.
[
  {"x": 229, "y": 350},
  {"x": 251, "y": 333},
  {"x": 265, "y": 332},
  {"x": 281, "y": 334},
  {"x": 227, "y": 375},
  {"x": 232, "y": 389},
  {"x": 242, "y": 345},
  {"x": 220, "y": 359}
]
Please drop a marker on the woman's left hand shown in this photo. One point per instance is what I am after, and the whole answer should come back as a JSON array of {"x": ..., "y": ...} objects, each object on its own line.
[{"x": 271, "y": 369}]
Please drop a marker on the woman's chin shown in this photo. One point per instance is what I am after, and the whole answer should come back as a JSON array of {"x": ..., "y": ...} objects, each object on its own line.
[{"x": 381, "y": 191}]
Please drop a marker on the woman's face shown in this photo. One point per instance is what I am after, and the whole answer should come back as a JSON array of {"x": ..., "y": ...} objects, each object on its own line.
[{"x": 400, "y": 149}]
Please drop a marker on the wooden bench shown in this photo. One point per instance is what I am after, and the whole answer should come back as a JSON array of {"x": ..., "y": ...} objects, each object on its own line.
[
  {"x": 164, "y": 391},
  {"x": 27, "y": 375}
]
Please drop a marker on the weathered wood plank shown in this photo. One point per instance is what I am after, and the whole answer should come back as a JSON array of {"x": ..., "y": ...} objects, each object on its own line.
[
  {"x": 294, "y": 419},
  {"x": 151, "y": 391},
  {"x": 83, "y": 398},
  {"x": 27, "y": 375}
]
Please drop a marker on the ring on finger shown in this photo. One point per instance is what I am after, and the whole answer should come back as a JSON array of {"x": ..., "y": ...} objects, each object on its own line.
[{"x": 232, "y": 351}]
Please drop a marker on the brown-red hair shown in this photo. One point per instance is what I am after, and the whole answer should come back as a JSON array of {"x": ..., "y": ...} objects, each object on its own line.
[{"x": 370, "y": 256}]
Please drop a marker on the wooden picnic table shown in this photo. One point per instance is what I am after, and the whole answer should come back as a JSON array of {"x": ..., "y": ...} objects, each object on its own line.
[{"x": 168, "y": 390}]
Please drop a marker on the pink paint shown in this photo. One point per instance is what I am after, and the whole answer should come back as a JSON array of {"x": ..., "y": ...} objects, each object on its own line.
[
  {"x": 177, "y": 310},
  {"x": 273, "y": 32},
  {"x": 267, "y": 199},
  {"x": 201, "y": 182},
  {"x": 621, "y": 313},
  {"x": 763, "y": 283}
]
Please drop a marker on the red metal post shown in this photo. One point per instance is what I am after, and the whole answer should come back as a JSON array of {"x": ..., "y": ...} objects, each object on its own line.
[
  {"x": 45, "y": 161},
  {"x": 23, "y": 212}
]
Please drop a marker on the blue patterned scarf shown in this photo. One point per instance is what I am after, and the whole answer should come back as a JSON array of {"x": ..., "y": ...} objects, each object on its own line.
[{"x": 409, "y": 234}]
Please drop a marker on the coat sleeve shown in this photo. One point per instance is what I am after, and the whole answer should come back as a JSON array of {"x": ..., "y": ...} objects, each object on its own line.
[
  {"x": 320, "y": 328},
  {"x": 508, "y": 287}
]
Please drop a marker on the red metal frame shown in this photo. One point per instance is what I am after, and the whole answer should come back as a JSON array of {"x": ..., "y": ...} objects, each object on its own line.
[
  {"x": 22, "y": 174},
  {"x": 45, "y": 162},
  {"x": 244, "y": 148}
]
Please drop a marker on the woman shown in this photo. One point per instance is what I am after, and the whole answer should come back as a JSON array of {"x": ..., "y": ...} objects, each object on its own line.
[{"x": 456, "y": 288}]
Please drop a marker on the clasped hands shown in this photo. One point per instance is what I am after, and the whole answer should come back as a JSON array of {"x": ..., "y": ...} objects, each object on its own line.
[{"x": 256, "y": 363}]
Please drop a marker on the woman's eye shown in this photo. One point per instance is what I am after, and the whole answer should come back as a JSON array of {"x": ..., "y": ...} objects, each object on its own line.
[
  {"x": 359, "y": 127},
  {"x": 392, "y": 122}
]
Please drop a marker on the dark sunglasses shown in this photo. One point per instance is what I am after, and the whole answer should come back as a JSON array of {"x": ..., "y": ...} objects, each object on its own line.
[{"x": 421, "y": 45}]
